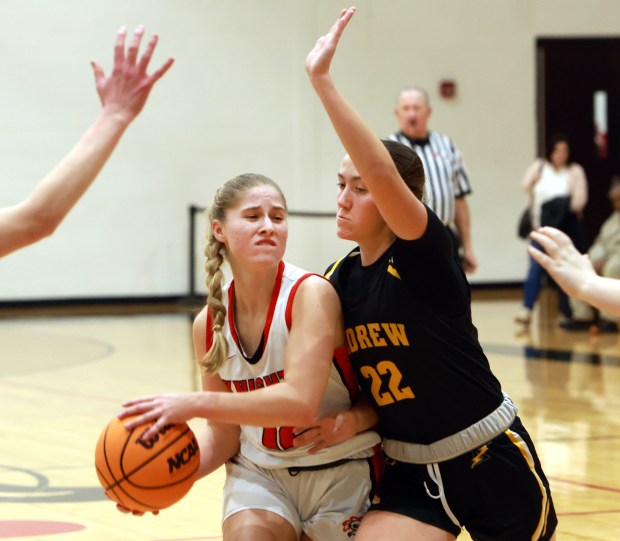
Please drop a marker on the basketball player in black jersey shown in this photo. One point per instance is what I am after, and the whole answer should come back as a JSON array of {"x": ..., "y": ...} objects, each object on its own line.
[{"x": 458, "y": 454}]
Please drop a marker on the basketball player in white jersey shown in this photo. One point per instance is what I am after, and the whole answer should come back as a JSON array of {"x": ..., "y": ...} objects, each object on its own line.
[
  {"x": 271, "y": 345},
  {"x": 123, "y": 94}
]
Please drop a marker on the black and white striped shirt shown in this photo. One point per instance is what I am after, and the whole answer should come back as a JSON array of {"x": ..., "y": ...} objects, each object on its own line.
[{"x": 446, "y": 176}]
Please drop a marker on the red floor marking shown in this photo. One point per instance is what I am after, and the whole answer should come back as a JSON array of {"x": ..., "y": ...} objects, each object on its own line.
[
  {"x": 26, "y": 528},
  {"x": 586, "y": 485}
]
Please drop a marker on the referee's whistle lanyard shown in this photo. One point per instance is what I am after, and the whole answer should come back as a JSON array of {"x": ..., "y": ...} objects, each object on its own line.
[{"x": 435, "y": 475}]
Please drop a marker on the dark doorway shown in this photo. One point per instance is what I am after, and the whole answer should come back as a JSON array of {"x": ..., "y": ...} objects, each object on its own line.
[{"x": 572, "y": 75}]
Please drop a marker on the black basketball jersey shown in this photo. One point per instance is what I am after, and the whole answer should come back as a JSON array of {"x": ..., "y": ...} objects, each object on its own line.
[{"x": 411, "y": 339}]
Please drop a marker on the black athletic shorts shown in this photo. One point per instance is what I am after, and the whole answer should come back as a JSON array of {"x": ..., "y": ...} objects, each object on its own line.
[{"x": 498, "y": 491}]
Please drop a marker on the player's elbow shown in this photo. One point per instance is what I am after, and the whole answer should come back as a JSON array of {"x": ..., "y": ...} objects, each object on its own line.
[
  {"x": 37, "y": 222},
  {"x": 33, "y": 231},
  {"x": 41, "y": 227},
  {"x": 304, "y": 412}
]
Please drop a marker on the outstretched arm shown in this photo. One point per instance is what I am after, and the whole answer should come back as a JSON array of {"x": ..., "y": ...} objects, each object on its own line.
[
  {"x": 573, "y": 271},
  {"x": 123, "y": 94},
  {"x": 404, "y": 214}
]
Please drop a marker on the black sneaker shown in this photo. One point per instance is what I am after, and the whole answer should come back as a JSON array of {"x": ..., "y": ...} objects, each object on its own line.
[
  {"x": 604, "y": 326},
  {"x": 576, "y": 324}
]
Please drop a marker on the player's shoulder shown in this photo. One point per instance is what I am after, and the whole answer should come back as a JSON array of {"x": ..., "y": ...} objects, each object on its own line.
[
  {"x": 337, "y": 265},
  {"x": 302, "y": 281},
  {"x": 315, "y": 284},
  {"x": 293, "y": 272}
]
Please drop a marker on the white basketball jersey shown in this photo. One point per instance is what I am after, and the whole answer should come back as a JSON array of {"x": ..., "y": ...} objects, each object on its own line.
[{"x": 272, "y": 447}]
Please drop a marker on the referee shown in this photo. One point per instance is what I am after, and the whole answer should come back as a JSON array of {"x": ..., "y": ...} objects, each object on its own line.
[{"x": 447, "y": 182}]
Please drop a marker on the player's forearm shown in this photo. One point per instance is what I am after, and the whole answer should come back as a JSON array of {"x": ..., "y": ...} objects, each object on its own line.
[
  {"x": 58, "y": 192},
  {"x": 277, "y": 405},
  {"x": 360, "y": 142}
]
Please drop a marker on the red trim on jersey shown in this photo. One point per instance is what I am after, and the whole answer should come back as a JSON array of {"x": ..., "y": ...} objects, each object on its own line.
[
  {"x": 343, "y": 365},
  {"x": 231, "y": 313},
  {"x": 288, "y": 312},
  {"x": 272, "y": 307},
  {"x": 209, "y": 335}
]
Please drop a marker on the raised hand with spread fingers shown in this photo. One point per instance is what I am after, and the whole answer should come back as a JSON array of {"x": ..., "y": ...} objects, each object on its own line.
[
  {"x": 573, "y": 271},
  {"x": 123, "y": 94}
]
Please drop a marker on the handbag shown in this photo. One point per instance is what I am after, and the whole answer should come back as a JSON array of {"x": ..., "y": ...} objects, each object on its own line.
[{"x": 524, "y": 227}]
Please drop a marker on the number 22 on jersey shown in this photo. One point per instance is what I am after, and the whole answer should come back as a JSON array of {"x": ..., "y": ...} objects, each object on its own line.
[{"x": 396, "y": 393}]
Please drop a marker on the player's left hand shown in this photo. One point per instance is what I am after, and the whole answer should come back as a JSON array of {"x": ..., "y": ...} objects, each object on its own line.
[{"x": 331, "y": 429}]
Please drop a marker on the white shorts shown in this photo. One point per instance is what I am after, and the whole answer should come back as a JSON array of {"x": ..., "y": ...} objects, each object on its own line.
[{"x": 326, "y": 504}]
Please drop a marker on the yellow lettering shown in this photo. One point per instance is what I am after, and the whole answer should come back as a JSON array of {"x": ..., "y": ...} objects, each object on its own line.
[
  {"x": 351, "y": 342},
  {"x": 362, "y": 337},
  {"x": 396, "y": 333},
  {"x": 388, "y": 367},
  {"x": 373, "y": 330},
  {"x": 382, "y": 399}
]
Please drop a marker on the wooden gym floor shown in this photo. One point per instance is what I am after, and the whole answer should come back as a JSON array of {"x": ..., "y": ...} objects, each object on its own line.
[{"x": 62, "y": 377}]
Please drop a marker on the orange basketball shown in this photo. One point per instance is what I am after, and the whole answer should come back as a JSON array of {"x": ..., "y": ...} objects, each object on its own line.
[{"x": 146, "y": 475}]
